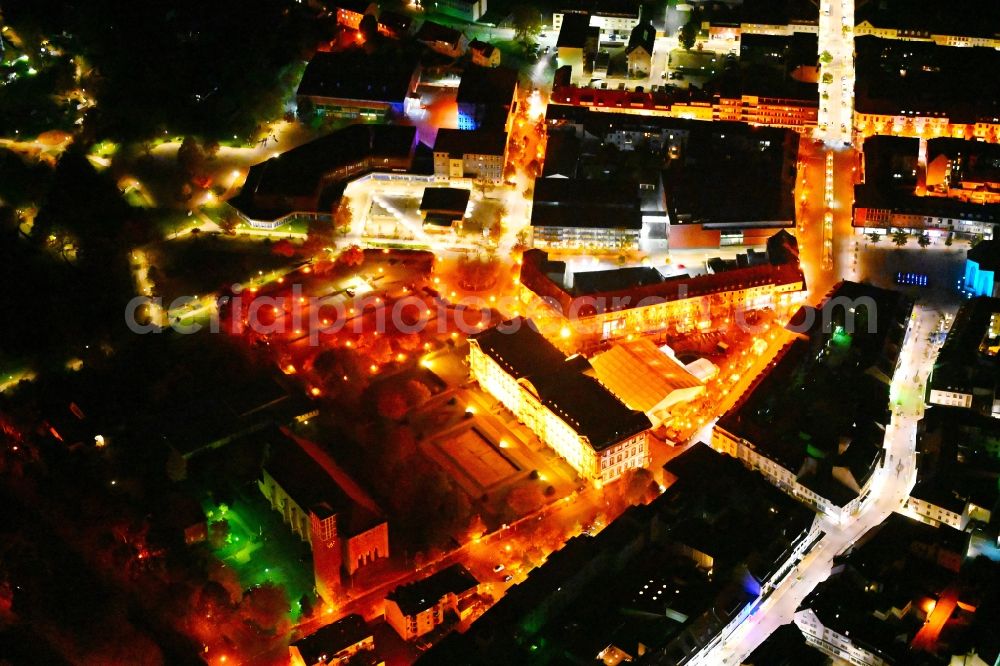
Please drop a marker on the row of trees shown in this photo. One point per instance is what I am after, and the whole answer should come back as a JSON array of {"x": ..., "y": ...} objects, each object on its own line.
[{"x": 900, "y": 238}]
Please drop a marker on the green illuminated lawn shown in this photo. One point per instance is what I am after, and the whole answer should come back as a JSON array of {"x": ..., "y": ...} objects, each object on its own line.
[{"x": 260, "y": 548}]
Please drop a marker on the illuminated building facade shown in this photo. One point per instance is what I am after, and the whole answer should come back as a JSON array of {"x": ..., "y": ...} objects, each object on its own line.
[
  {"x": 560, "y": 400},
  {"x": 626, "y": 303},
  {"x": 981, "y": 265},
  {"x": 418, "y": 608},
  {"x": 474, "y": 154},
  {"x": 350, "y": 12},
  {"x": 334, "y": 644},
  {"x": 965, "y": 371},
  {"x": 325, "y": 508}
]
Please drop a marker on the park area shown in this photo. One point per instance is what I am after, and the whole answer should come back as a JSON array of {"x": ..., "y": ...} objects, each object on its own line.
[{"x": 262, "y": 549}]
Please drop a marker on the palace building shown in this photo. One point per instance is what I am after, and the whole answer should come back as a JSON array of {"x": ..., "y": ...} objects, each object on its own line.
[{"x": 560, "y": 400}]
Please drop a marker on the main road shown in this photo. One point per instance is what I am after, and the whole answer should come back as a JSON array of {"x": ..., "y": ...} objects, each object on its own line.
[{"x": 890, "y": 488}]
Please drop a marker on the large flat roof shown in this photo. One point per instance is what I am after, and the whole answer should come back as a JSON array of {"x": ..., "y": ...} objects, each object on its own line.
[
  {"x": 421, "y": 595},
  {"x": 355, "y": 74},
  {"x": 586, "y": 204},
  {"x": 470, "y": 142}
]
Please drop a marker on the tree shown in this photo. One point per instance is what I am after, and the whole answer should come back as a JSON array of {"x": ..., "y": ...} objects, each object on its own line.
[
  {"x": 217, "y": 533},
  {"x": 266, "y": 606},
  {"x": 343, "y": 216},
  {"x": 352, "y": 256},
  {"x": 923, "y": 240},
  {"x": 191, "y": 158},
  {"x": 391, "y": 404},
  {"x": 827, "y": 78},
  {"x": 228, "y": 221},
  {"x": 527, "y": 22},
  {"x": 874, "y": 237},
  {"x": 417, "y": 393},
  {"x": 825, "y": 57},
  {"x": 900, "y": 238},
  {"x": 526, "y": 499},
  {"x": 319, "y": 236},
  {"x": 689, "y": 32}
]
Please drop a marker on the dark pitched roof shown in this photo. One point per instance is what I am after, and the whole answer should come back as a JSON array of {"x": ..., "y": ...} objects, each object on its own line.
[
  {"x": 582, "y": 203},
  {"x": 451, "y": 200},
  {"x": 457, "y": 142},
  {"x": 395, "y": 22},
  {"x": 435, "y": 32},
  {"x": 587, "y": 407},
  {"x": 643, "y": 35},
  {"x": 331, "y": 639},
  {"x": 518, "y": 347},
  {"x": 423, "y": 594},
  {"x": 357, "y": 75},
  {"x": 487, "y": 86},
  {"x": 485, "y": 48},
  {"x": 574, "y": 31},
  {"x": 614, "y": 279},
  {"x": 313, "y": 488}
]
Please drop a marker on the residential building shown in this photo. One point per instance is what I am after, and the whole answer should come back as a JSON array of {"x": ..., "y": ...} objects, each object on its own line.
[
  {"x": 920, "y": 89},
  {"x": 467, "y": 10},
  {"x": 798, "y": 426},
  {"x": 473, "y": 154},
  {"x": 307, "y": 181},
  {"x": 350, "y": 12},
  {"x": 664, "y": 583},
  {"x": 484, "y": 54},
  {"x": 416, "y": 609},
  {"x": 442, "y": 39},
  {"x": 966, "y": 370},
  {"x": 777, "y": 17},
  {"x": 394, "y": 25},
  {"x": 487, "y": 98},
  {"x": 614, "y": 18},
  {"x": 639, "y": 52},
  {"x": 325, "y": 508},
  {"x": 960, "y": 23},
  {"x": 902, "y": 192},
  {"x": 444, "y": 207},
  {"x": 335, "y": 644},
  {"x": 559, "y": 400},
  {"x": 902, "y": 596},
  {"x": 958, "y": 469},
  {"x": 356, "y": 84},
  {"x": 608, "y": 306},
  {"x": 576, "y": 45}
]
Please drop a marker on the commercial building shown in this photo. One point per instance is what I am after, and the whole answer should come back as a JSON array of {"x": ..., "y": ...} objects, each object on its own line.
[
  {"x": 484, "y": 54},
  {"x": 443, "y": 207},
  {"x": 559, "y": 399},
  {"x": 661, "y": 584},
  {"x": 601, "y": 307},
  {"x": 356, "y": 84},
  {"x": 578, "y": 214},
  {"x": 418, "y": 608},
  {"x": 487, "y": 98},
  {"x": 325, "y": 508},
  {"x": 442, "y": 39},
  {"x": 308, "y": 181},
  {"x": 813, "y": 423},
  {"x": 981, "y": 265},
  {"x": 646, "y": 378},
  {"x": 473, "y": 154},
  {"x": 700, "y": 185},
  {"x": 967, "y": 369},
  {"x": 905, "y": 595},
  {"x": 335, "y": 644},
  {"x": 924, "y": 90},
  {"x": 902, "y": 192}
]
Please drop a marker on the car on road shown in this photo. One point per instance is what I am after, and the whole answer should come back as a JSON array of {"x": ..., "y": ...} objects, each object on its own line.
[
  {"x": 498, "y": 568},
  {"x": 508, "y": 578}
]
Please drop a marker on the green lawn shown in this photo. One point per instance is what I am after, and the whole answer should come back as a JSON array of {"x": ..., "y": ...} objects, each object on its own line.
[{"x": 261, "y": 548}]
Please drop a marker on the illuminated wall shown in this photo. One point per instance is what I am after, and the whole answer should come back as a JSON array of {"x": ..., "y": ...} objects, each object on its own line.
[{"x": 977, "y": 281}]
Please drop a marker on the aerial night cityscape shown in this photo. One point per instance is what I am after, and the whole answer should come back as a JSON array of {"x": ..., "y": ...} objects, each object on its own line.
[{"x": 475, "y": 332}]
